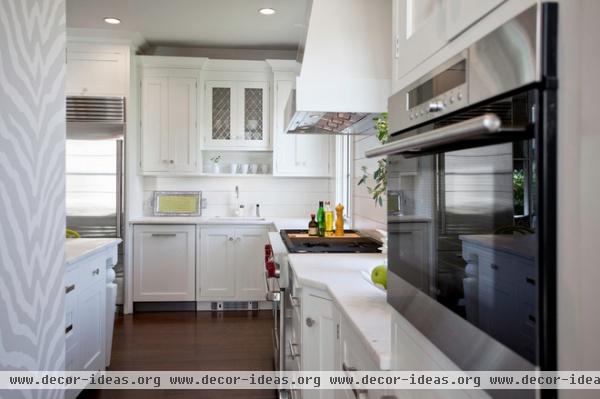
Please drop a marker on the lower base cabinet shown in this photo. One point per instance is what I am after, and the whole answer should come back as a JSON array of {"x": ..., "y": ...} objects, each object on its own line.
[
  {"x": 325, "y": 340},
  {"x": 86, "y": 329},
  {"x": 186, "y": 263},
  {"x": 164, "y": 263},
  {"x": 231, "y": 265}
]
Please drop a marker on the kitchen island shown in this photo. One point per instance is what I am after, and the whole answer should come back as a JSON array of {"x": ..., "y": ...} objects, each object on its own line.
[{"x": 90, "y": 294}]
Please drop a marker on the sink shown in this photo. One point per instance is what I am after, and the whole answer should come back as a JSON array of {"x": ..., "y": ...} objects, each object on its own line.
[{"x": 239, "y": 218}]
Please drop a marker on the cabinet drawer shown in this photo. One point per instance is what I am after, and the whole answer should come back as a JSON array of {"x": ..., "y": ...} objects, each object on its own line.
[{"x": 92, "y": 272}]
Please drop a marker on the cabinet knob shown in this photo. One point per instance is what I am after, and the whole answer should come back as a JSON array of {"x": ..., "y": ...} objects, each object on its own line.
[
  {"x": 310, "y": 322},
  {"x": 171, "y": 161},
  {"x": 95, "y": 272},
  {"x": 230, "y": 238}
]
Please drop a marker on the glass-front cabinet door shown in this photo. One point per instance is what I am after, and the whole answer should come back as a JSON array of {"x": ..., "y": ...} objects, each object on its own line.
[
  {"x": 237, "y": 115},
  {"x": 254, "y": 100},
  {"x": 220, "y": 112}
]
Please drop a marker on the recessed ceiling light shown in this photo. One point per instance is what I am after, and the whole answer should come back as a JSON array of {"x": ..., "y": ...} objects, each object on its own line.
[
  {"x": 267, "y": 11},
  {"x": 112, "y": 21}
]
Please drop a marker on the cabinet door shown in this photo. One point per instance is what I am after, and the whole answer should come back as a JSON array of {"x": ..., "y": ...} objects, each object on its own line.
[
  {"x": 164, "y": 263},
  {"x": 319, "y": 328},
  {"x": 249, "y": 263},
  {"x": 253, "y": 105},
  {"x": 297, "y": 154},
  {"x": 155, "y": 124},
  {"x": 91, "y": 319},
  {"x": 182, "y": 124},
  {"x": 408, "y": 244},
  {"x": 419, "y": 32},
  {"x": 221, "y": 107},
  {"x": 216, "y": 278},
  {"x": 460, "y": 14},
  {"x": 96, "y": 70}
]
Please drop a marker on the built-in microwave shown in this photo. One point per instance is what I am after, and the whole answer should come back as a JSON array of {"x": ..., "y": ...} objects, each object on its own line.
[{"x": 471, "y": 200}]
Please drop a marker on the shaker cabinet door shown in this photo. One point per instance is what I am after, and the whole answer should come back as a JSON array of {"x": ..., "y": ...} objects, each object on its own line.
[
  {"x": 182, "y": 124},
  {"x": 249, "y": 262},
  {"x": 461, "y": 14},
  {"x": 164, "y": 263},
  {"x": 216, "y": 276},
  {"x": 155, "y": 124}
]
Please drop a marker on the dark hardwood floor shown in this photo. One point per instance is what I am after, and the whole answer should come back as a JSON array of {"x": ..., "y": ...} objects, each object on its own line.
[{"x": 235, "y": 340}]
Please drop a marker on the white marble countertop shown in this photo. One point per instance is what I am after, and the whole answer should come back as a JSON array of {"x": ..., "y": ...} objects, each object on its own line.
[
  {"x": 277, "y": 223},
  {"x": 79, "y": 248},
  {"x": 363, "y": 305}
]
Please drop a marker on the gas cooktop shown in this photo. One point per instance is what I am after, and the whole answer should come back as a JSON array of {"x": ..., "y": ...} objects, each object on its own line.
[{"x": 298, "y": 241}]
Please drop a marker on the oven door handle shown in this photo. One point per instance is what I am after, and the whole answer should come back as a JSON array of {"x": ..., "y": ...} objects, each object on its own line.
[{"x": 481, "y": 127}]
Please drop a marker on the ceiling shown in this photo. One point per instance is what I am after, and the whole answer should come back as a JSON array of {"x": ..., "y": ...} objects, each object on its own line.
[{"x": 197, "y": 23}]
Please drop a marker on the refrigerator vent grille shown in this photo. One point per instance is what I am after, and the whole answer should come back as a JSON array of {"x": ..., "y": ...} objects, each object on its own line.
[{"x": 96, "y": 109}]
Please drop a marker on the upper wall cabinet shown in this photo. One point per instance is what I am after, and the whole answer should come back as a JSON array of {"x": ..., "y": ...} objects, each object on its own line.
[
  {"x": 237, "y": 115},
  {"x": 169, "y": 121},
  {"x": 297, "y": 154},
  {"x": 97, "y": 70},
  {"x": 460, "y": 14},
  {"x": 422, "y": 27}
]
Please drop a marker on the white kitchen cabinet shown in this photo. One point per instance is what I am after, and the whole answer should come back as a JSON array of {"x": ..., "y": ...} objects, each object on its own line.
[
  {"x": 249, "y": 260},
  {"x": 231, "y": 263},
  {"x": 86, "y": 327},
  {"x": 419, "y": 31},
  {"x": 422, "y": 27},
  {"x": 216, "y": 275},
  {"x": 169, "y": 123},
  {"x": 297, "y": 154},
  {"x": 164, "y": 263},
  {"x": 354, "y": 356},
  {"x": 237, "y": 115},
  {"x": 97, "y": 70},
  {"x": 461, "y": 14},
  {"x": 408, "y": 241},
  {"x": 91, "y": 320}
]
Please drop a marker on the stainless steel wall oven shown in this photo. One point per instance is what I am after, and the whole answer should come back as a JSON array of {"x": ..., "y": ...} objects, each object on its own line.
[{"x": 471, "y": 200}]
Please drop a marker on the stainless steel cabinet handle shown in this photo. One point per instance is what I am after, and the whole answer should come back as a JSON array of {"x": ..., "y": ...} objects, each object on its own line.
[
  {"x": 69, "y": 288},
  {"x": 293, "y": 353},
  {"x": 69, "y": 328},
  {"x": 358, "y": 393},
  {"x": 310, "y": 322},
  {"x": 95, "y": 272},
  {"x": 164, "y": 235},
  {"x": 488, "y": 125}
]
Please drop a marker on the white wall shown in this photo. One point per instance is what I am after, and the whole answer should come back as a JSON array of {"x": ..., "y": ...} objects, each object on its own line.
[
  {"x": 578, "y": 189},
  {"x": 32, "y": 188},
  {"x": 366, "y": 214},
  {"x": 278, "y": 197}
]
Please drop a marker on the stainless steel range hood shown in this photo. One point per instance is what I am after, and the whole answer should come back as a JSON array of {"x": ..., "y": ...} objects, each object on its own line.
[{"x": 345, "y": 77}]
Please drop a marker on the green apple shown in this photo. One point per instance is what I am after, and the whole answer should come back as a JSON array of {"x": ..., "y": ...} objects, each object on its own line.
[{"x": 379, "y": 275}]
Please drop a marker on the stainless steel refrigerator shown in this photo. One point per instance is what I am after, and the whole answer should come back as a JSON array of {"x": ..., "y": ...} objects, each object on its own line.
[{"x": 94, "y": 168}]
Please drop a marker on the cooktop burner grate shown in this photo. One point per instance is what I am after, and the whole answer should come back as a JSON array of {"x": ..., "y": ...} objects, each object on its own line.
[{"x": 297, "y": 241}]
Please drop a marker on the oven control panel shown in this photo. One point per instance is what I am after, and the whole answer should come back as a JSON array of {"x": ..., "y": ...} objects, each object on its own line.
[
  {"x": 450, "y": 101},
  {"x": 439, "y": 92}
]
